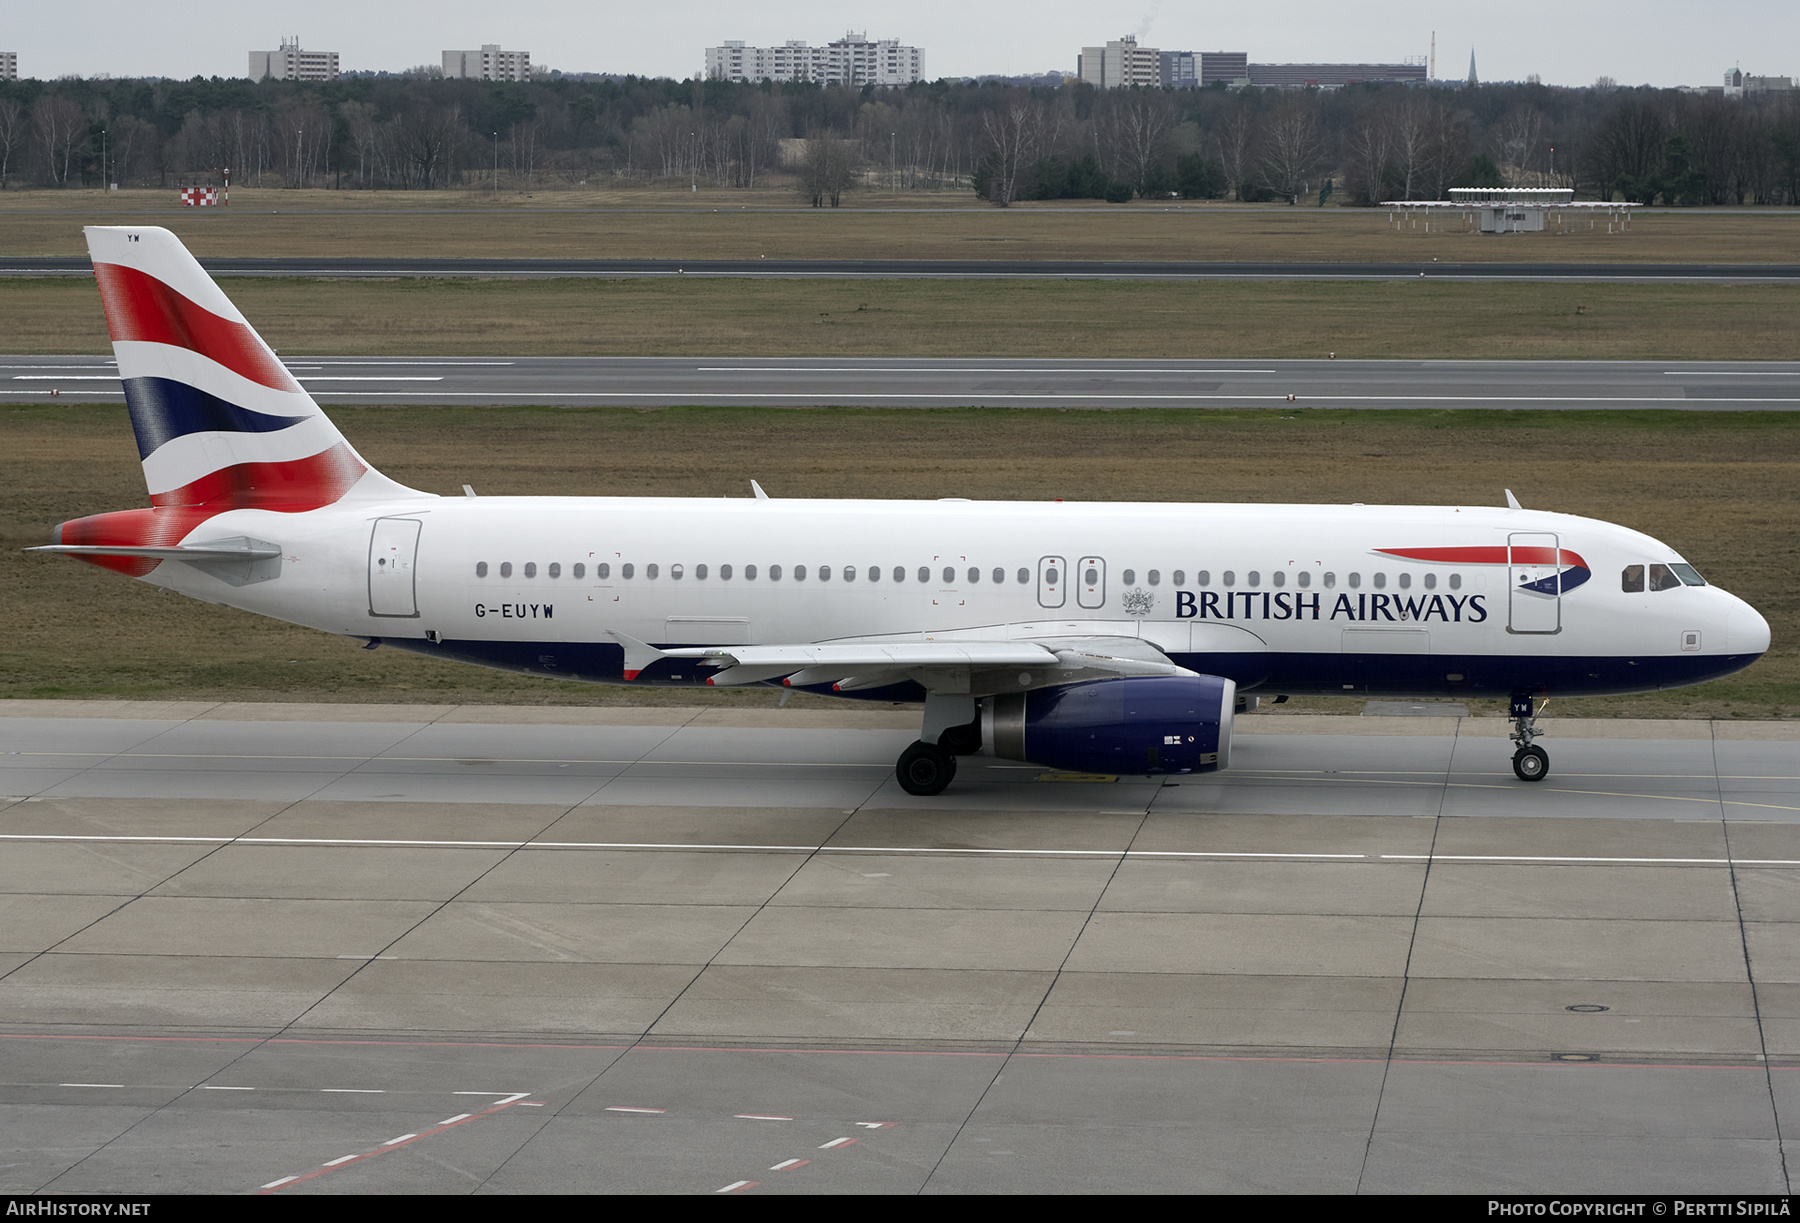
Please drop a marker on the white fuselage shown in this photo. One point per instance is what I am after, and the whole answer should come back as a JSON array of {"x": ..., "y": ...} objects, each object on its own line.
[{"x": 1288, "y": 598}]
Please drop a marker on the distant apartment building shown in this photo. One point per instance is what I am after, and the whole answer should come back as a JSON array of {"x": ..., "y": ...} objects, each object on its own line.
[
  {"x": 854, "y": 59},
  {"x": 1333, "y": 76},
  {"x": 291, "y": 63},
  {"x": 1180, "y": 69},
  {"x": 1120, "y": 64},
  {"x": 9, "y": 65},
  {"x": 488, "y": 64},
  {"x": 1229, "y": 68}
]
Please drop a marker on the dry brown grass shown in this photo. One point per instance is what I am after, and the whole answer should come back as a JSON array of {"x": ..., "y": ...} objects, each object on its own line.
[
  {"x": 1718, "y": 487},
  {"x": 723, "y": 224},
  {"x": 1220, "y": 319}
]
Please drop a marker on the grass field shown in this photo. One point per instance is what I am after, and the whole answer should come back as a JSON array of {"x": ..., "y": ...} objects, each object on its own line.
[
  {"x": 724, "y": 224},
  {"x": 1717, "y": 486},
  {"x": 1219, "y": 319}
]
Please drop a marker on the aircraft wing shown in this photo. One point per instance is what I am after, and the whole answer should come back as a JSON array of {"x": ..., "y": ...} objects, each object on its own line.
[{"x": 963, "y": 665}]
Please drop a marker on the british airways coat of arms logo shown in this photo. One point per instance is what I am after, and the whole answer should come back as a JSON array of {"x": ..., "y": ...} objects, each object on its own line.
[{"x": 1138, "y": 601}]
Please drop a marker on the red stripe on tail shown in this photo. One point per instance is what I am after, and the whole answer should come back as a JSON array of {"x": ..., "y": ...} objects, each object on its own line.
[
  {"x": 141, "y": 307},
  {"x": 291, "y": 487}
]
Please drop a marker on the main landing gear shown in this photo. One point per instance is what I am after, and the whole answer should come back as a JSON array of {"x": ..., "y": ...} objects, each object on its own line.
[
  {"x": 1530, "y": 762},
  {"x": 952, "y": 728}
]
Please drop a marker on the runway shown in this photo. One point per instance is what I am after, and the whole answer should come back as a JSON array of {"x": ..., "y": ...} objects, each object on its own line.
[
  {"x": 984, "y": 382},
  {"x": 938, "y": 269},
  {"x": 459, "y": 949}
]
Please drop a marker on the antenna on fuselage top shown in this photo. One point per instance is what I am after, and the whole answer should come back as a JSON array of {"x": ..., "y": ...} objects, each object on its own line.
[
  {"x": 1512, "y": 502},
  {"x": 758, "y": 490}
]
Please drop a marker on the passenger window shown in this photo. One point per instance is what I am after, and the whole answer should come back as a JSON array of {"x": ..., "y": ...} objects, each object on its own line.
[
  {"x": 530, "y": 569},
  {"x": 1381, "y": 581},
  {"x": 1330, "y": 580},
  {"x": 1179, "y": 578},
  {"x": 627, "y": 570},
  {"x": 1431, "y": 581},
  {"x": 1051, "y": 576},
  {"x": 1278, "y": 578},
  {"x": 505, "y": 569},
  {"x": 480, "y": 569},
  {"x": 1406, "y": 581},
  {"x": 580, "y": 570},
  {"x": 1304, "y": 577},
  {"x": 974, "y": 575},
  {"x": 603, "y": 571},
  {"x": 1202, "y": 578},
  {"x": 1129, "y": 577},
  {"x": 674, "y": 572},
  {"x": 1254, "y": 578},
  {"x": 949, "y": 576},
  {"x": 900, "y": 574},
  {"x": 799, "y": 573},
  {"x": 1092, "y": 576},
  {"x": 1355, "y": 580},
  {"x": 1689, "y": 575},
  {"x": 924, "y": 574},
  {"x": 724, "y": 573},
  {"x": 699, "y": 573},
  {"x": 1456, "y": 581},
  {"x": 1663, "y": 578},
  {"x": 774, "y": 573},
  {"x": 874, "y": 573},
  {"x": 555, "y": 569},
  {"x": 1229, "y": 578},
  {"x": 1024, "y": 576},
  {"x": 849, "y": 573},
  {"x": 649, "y": 572},
  {"x": 749, "y": 573},
  {"x": 1155, "y": 576},
  {"x": 1631, "y": 581}
]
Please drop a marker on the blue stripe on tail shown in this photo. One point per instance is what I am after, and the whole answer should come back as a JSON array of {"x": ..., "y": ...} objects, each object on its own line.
[{"x": 163, "y": 409}]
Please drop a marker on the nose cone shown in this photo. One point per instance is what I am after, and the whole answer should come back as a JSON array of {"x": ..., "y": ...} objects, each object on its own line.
[{"x": 1746, "y": 632}]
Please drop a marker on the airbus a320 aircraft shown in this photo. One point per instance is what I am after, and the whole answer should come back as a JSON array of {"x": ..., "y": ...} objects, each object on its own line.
[{"x": 1113, "y": 638}]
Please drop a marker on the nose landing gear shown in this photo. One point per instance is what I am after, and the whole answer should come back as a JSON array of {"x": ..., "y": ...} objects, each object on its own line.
[{"x": 1530, "y": 762}]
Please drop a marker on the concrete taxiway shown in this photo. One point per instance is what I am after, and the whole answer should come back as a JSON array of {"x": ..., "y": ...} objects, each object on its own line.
[
  {"x": 302, "y": 949},
  {"x": 985, "y": 382}
]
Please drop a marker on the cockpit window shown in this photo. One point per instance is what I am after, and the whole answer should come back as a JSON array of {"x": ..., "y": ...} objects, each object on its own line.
[
  {"x": 1663, "y": 578},
  {"x": 1688, "y": 575},
  {"x": 1632, "y": 580}
]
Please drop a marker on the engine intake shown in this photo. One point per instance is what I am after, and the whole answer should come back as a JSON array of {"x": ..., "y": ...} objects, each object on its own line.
[{"x": 1135, "y": 725}]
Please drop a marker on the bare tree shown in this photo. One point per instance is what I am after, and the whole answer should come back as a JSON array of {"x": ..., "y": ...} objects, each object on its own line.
[
  {"x": 826, "y": 170},
  {"x": 1628, "y": 143},
  {"x": 1237, "y": 139},
  {"x": 12, "y": 135},
  {"x": 1292, "y": 149},
  {"x": 1013, "y": 133},
  {"x": 1139, "y": 128},
  {"x": 359, "y": 117},
  {"x": 60, "y": 128},
  {"x": 1370, "y": 154},
  {"x": 1518, "y": 142}
]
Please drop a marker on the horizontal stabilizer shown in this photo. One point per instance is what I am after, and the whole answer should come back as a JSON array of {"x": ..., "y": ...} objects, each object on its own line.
[{"x": 198, "y": 554}]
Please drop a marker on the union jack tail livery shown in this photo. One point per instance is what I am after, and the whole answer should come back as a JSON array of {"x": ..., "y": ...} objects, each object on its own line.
[{"x": 220, "y": 422}]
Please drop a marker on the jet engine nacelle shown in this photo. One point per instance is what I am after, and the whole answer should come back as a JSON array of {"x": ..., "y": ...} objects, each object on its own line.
[{"x": 1134, "y": 725}]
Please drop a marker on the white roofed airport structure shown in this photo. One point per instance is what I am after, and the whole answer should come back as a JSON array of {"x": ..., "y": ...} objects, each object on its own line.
[{"x": 1508, "y": 210}]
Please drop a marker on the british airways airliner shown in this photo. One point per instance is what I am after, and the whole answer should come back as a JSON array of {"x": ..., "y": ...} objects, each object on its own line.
[{"x": 1112, "y": 638}]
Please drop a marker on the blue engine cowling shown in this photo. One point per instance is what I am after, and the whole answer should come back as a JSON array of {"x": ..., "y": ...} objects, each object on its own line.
[{"x": 1135, "y": 725}]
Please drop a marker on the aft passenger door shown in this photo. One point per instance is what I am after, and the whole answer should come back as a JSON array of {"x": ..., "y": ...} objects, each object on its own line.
[
  {"x": 1534, "y": 583},
  {"x": 393, "y": 557},
  {"x": 1090, "y": 582}
]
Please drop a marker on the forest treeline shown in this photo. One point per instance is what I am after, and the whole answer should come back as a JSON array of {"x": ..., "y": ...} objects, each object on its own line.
[{"x": 1360, "y": 145}]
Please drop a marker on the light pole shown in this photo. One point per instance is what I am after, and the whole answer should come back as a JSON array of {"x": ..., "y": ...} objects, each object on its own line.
[
  {"x": 694, "y": 162},
  {"x": 496, "y": 160},
  {"x": 104, "y": 179},
  {"x": 893, "y": 165}
]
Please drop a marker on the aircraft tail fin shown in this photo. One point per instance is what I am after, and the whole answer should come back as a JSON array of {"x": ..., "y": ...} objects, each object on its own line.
[{"x": 220, "y": 422}]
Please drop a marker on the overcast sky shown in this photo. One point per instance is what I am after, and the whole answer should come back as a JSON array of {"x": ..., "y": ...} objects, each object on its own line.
[{"x": 1658, "y": 42}]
